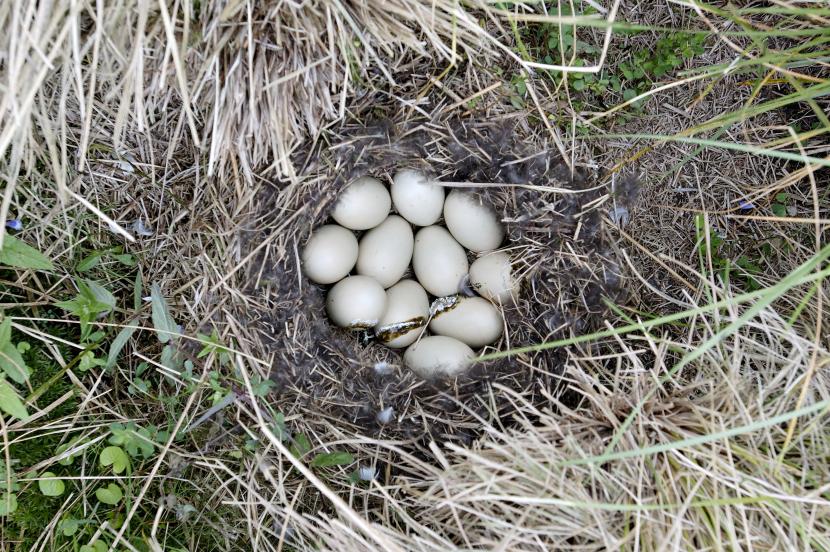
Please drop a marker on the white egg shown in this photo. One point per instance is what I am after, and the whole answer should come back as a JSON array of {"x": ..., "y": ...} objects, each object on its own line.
[
  {"x": 356, "y": 302},
  {"x": 407, "y": 311},
  {"x": 363, "y": 204},
  {"x": 438, "y": 261},
  {"x": 330, "y": 254},
  {"x": 472, "y": 320},
  {"x": 417, "y": 198},
  {"x": 386, "y": 251},
  {"x": 473, "y": 224},
  {"x": 438, "y": 356},
  {"x": 491, "y": 275}
]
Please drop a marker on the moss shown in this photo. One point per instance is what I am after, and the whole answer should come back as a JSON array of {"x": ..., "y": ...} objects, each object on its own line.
[{"x": 35, "y": 511}]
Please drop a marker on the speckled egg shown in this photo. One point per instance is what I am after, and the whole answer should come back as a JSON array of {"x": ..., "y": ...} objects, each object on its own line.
[{"x": 330, "y": 254}]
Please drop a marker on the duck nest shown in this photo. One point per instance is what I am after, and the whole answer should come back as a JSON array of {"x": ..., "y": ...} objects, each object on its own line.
[{"x": 557, "y": 236}]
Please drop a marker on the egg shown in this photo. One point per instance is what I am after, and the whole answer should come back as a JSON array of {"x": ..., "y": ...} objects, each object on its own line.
[
  {"x": 386, "y": 251},
  {"x": 473, "y": 224},
  {"x": 491, "y": 275},
  {"x": 471, "y": 320},
  {"x": 407, "y": 311},
  {"x": 330, "y": 254},
  {"x": 438, "y": 356},
  {"x": 363, "y": 204},
  {"x": 417, "y": 198},
  {"x": 356, "y": 302},
  {"x": 439, "y": 262}
]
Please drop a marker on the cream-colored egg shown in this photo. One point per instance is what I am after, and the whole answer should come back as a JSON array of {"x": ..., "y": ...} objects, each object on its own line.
[
  {"x": 417, "y": 198},
  {"x": 438, "y": 356},
  {"x": 356, "y": 302},
  {"x": 491, "y": 275},
  {"x": 330, "y": 254},
  {"x": 439, "y": 262},
  {"x": 472, "y": 320},
  {"x": 386, "y": 251},
  {"x": 473, "y": 224},
  {"x": 363, "y": 204},
  {"x": 407, "y": 311}
]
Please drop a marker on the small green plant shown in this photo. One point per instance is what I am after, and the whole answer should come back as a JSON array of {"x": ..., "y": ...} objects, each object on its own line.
[
  {"x": 715, "y": 249},
  {"x": 555, "y": 44},
  {"x": 646, "y": 65},
  {"x": 14, "y": 367},
  {"x": 50, "y": 484},
  {"x": 779, "y": 206},
  {"x": 8, "y": 490},
  {"x": 94, "y": 258},
  {"x": 92, "y": 300},
  {"x": 518, "y": 88}
]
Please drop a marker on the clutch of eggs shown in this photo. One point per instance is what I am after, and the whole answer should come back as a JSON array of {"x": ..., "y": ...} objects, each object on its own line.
[{"x": 424, "y": 313}]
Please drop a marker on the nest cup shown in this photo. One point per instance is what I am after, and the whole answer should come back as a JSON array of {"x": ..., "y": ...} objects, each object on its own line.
[{"x": 555, "y": 237}]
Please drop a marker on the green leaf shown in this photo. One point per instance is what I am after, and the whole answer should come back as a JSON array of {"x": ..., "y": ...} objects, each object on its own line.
[
  {"x": 125, "y": 259},
  {"x": 8, "y": 503},
  {"x": 70, "y": 526},
  {"x": 136, "y": 441},
  {"x": 782, "y": 197},
  {"x": 138, "y": 385},
  {"x": 162, "y": 320},
  {"x": 63, "y": 448},
  {"x": 120, "y": 341},
  {"x": 115, "y": 457},
  {"x": 12, "y": 363},
  {"x": 111, "y": 494},
  {"x": 170, "y": 359},
  {"x": 89, "y": 262},
  {"x": 280, "y": 429},
  {"x": 88, "y": 361},
  {"x": 138, "y": 291},
  {"x": 50, "y": 487},
  {"x": 100, "y": 294},
  {"x": 212, "y": 344},
  {"x": 779, "y": 210},
  {"x": 301, "y": 445},
  {"x": 17, "y": 254},
  {"x": 5, "y": 332},
  {"x": 10, "y": 402},
  {"x": 262, "y": 388},
  {"x": 97, "y": 546},
  {"x": 92, "y": 300},
  {"x": 326, "y": 459}
]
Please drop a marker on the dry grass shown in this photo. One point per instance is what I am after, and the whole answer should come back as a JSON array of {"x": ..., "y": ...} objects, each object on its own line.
[{"x": 226, "y": 130}]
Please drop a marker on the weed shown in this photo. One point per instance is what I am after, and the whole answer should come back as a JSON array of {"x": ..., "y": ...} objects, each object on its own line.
[
  {"x": 670, "y": 53},
  {"x": 716, "y": 250}
]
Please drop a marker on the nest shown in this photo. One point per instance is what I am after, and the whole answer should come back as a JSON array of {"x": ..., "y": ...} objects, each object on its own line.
[{"x": 557, "y": 239}]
